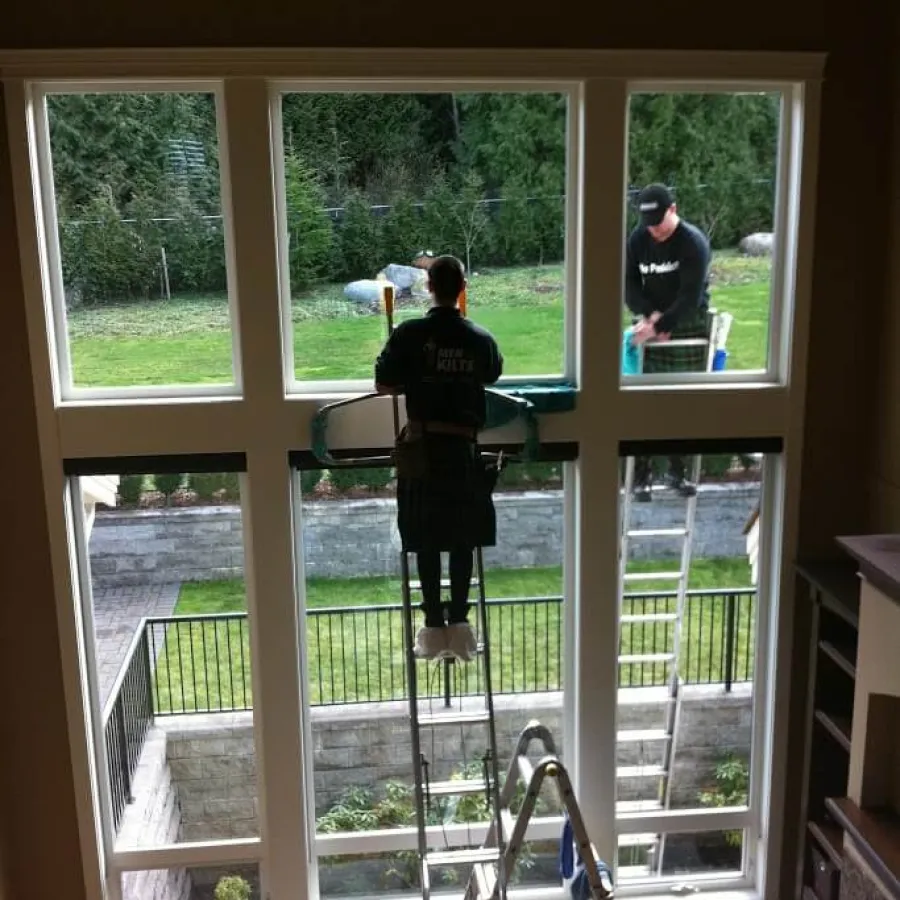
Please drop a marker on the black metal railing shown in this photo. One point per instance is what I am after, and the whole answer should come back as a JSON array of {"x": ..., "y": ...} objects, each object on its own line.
[
  {"x": 355, "y": 653},
  {"x": 126, "y": 718},
  {"x": 199, "y": 664}
]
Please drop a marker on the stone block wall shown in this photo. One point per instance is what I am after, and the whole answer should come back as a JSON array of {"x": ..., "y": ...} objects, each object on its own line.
[
  {"x": 212, "y": 761},
  {"x": 356, "y": 538},
  {"x": 197, "y": 775},
  {"x": 213, "y": 768}
]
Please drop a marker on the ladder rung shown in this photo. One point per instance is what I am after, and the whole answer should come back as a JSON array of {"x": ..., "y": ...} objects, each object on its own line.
[
  {"x": 464, "y": 857},
  {"x": 653, "y": 576},
  {"x": 629, "y": 658},
  {"x": 640, "y": 771},
  {"x": 485, "y": 880},
  {"x": 455, "y": 788},
  {"x": 657, "y": 532},
  {"x": 445, "y": 583},
  {"x": 642, "y": 696},
  {"x": 506, "y": 818},
  {"x": 641, "y": 735},
  {"x": 638, "y": 840},
  {"x": 637, "y": 806},
  {"x": 647, "y": 617},
  {"x": 462, "y": 718}
]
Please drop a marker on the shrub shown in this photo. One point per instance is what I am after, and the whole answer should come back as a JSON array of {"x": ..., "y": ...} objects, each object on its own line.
[
  {"x": 309, "y": 479},
  {"x": 732, "y": 784},
  {"x": 130, "y": 489},
  {"x": 310, "y": 233},
  {"x": 534, "y": 474},
  {"x": 231, "y": 484},
  {"x": 205, "y": 484},
  {"x": 168, "y": 483},
  {"x": 232, "y": 887},
  {"x": 359, "y": 237},
  {"x": 375, "y": 479}
]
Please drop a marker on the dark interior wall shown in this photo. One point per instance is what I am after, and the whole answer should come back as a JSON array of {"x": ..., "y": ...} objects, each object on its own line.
[
  {"x": 40, "y": 851},
  {"x": 885, "y": 473}
]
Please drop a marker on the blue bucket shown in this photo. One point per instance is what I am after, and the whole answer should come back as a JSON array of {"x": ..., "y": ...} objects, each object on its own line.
[{"x": 719, "y": 360}]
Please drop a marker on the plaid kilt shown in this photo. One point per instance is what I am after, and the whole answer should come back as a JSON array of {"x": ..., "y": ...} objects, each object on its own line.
[
  {"x": 662, "y": 358},
  {"x": 452, "y": 508}
]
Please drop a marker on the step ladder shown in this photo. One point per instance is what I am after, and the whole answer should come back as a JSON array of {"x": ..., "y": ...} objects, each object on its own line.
[
  {"x": 506, "y": 834},
  {"x": 665, "y": 737}
]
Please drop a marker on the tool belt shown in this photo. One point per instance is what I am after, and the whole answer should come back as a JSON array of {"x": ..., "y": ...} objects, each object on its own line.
[{"x": 410, "y": 454}]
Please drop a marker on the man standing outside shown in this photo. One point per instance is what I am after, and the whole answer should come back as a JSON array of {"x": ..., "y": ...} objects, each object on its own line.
[
  {"x": 667, "y": 289},
  {"x": 441, "y": 363}
]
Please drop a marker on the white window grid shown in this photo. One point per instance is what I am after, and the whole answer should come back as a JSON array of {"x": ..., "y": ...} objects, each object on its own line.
[{"x": 264, "y": 422}]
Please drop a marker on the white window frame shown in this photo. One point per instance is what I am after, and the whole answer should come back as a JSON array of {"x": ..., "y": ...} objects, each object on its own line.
[
  {"x": 568, "y": 89},
  {"x": 56, "y": 302},
  {"x": 265, "y": 423},
  {"x": 784, "y": 256}
]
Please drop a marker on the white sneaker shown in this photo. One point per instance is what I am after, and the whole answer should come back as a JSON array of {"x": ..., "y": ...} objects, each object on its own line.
[
  {"x": 431, "y": 643},
  {"x": 461, "y": 641}
]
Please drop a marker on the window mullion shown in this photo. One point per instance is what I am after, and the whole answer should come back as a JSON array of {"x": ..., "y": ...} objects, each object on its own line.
[
  {"x": 268, "y": 534},
  {"x": 595, "y": 669}
]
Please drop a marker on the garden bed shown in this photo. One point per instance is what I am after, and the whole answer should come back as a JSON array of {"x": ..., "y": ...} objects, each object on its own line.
[{"x": 215, "y": 489}]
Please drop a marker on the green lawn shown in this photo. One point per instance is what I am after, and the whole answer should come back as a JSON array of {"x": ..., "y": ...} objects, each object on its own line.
[
  {"x": 188, "y": 340},
  {"x": 352, "y": 655}
]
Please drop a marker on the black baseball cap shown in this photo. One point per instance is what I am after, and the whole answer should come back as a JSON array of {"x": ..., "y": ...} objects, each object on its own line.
[{"x": 652, "y": 203}]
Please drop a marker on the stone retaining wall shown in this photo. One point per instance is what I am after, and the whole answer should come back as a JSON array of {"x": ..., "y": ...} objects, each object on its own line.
[
  {"x": 359, "y": 537},
  {"x": 197, "y": 775},
  {"x": 213, "y": 768}
]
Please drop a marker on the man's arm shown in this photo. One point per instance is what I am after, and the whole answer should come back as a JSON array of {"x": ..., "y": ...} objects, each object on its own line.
[
  {"x": 634, "y": 283},
  {"x": 390, "y": 367},
  {"x": 693, "y": 269},
  {"x": 495, "y": 365}
]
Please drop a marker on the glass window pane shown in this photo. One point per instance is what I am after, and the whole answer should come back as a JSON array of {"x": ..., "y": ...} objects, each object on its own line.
[
  {"x": 705, "y": 165},
  {"x": 142, "y": 238},
  {"x": 375, "y": 181},
  {"x": 171, "y": 642},
  {"x": 356, "y": 660},
  {"x": 223, "y": 882},
  {"x": 687, "y": 645},
  {"x": 706, "y": 853}
]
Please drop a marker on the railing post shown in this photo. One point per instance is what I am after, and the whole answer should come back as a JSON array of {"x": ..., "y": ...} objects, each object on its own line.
[
  {"x": 729, "y": 641},
  {"x": 447, "y": 680},
  {"x": 122, "y": 742},
  {"x": 148, "y": 673}
]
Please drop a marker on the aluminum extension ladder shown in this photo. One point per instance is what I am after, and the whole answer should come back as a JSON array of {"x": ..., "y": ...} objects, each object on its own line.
[
  {"x": 666, "y": 736},
  {"x": 484, "y": 856}
]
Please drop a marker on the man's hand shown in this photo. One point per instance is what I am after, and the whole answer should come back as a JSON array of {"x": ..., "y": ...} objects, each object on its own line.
[{"x": 643, "y": 331}]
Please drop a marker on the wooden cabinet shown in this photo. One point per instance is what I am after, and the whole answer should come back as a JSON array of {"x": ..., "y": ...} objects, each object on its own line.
[{"x": 833, "y": 590}]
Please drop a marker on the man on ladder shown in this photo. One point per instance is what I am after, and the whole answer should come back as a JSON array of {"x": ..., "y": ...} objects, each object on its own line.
[
  {"x": 441, "y": 363},
  {"x": 667, "y": 289}
]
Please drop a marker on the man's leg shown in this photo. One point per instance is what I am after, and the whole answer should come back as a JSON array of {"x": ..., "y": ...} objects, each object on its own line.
[
  {"x": 643, "y": 478},
  {"x": 678, "y": 476},
  {"x": 428, "y": 563},
  {"x": 461, "y": 565}
]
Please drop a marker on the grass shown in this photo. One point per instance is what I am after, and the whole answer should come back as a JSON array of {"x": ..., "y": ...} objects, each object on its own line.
[
  {"x": 356, "y": 656},
  {"x": 188, "y": 340}
]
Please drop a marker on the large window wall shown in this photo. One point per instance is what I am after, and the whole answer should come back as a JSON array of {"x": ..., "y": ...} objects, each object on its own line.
[{"x": 202, "y": 257}]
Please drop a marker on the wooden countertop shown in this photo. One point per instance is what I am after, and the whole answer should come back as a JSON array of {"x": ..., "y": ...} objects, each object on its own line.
[
  {"x": 878, "y": 556},
  {"x": 876, "y": 835}
]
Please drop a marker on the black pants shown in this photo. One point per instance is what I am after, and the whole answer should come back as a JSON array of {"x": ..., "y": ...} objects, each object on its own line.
[
  {"x": 643, "y": 469},
  {"x": 429, "y": 566}
]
